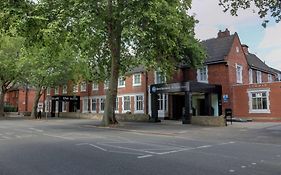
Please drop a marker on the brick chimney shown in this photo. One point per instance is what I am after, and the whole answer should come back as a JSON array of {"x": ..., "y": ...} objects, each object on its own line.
[
  {"x": 224, "y": 34},
  {"x": 245, "y": 49}
]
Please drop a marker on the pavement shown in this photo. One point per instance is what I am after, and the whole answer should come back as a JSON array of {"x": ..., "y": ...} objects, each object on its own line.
[{"x": 70, "y": 147}]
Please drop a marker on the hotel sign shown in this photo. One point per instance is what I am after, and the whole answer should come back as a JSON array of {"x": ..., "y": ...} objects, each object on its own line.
[
  {"x": 65, "y": 98},
  {"x": 173, "y": 87}
]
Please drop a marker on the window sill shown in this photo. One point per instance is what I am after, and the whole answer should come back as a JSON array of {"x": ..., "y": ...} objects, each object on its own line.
[{"x": 259, "y": 111}]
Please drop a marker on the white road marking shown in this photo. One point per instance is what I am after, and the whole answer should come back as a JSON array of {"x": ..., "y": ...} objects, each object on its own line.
[
  {"x": 79, "y": 144},
  {"x": 37, "y": 130},
  {"x": 144, "y": 156},
  {"x": 243, "y": 166},
  {"x": 204, "y": 146},
  {"x": 61, "y": 137},
  {"x": 254, "y": 163},
  {"x": 98, "y": 147},
  {"x": 226, "y": 143},
  {"x": 231, "y": 171}
]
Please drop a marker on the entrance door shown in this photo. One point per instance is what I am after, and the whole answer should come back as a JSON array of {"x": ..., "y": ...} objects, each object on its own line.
[
  {"x": 178, "y": 106},
  {"x": 201, "y": 106},
  {"x": 163, "y": 103}
]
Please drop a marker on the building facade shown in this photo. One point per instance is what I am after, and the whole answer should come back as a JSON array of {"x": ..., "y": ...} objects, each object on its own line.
[{"x": 243, "y": 77}]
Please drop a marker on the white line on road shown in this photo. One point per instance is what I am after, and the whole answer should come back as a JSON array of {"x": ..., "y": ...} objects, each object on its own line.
[
  {"x": 61, "y": 137},
  {"x": 80, "y": 144},
  {"x": 98, "y": 147},
  {"x": 204, "y": 146},
  {"x": 37, "y": 130},
  {"x": 144, "y": 156}
]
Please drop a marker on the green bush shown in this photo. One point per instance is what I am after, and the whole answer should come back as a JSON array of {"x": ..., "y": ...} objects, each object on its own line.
[{"x": 10, "y": 108}]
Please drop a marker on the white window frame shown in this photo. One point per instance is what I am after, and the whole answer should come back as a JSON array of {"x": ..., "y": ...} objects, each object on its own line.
[
  {"x": 158, "y": 76},
  {"x": 134, "y": 79},
  {"x": 259, "y": 77},
  {"x": 64, "y": 89},
  {"x": 123, "y": 104},
  {"x": 83, "y": 87},
  {"x": 106, "y": 84},
  {"x": 117, "y": 105},
  {"x": 279, "y": 77},
  {"x": 250, "y": 92},
  {"x": 96, "y": 102},
  {"x": 48, "y": 91},
  {"x": 250, "y": 76},
  {"x": 95, "y": 86},
  {"x": 85, "y": 107},
  {"x": 64, "y": 106},
  {"x": 75, "y": 88},
  {"x": 269, "y": 78},
  {"x": 136, "y": 103},
  {"x": 239, "y": 74},
  {"x": 163, "y": 102},
  {"x": 200, "y": 71},
  {"x": 237, "y": 49},
  {"x": 56, "y": 90},
  {"x": 123, "y": 84},
  {"x": 102, "y": 99}
]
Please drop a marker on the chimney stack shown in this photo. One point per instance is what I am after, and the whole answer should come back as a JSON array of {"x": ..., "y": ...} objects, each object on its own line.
[
  {"x": 224, "y": 34},
  {"x": 245, "y": 49}
]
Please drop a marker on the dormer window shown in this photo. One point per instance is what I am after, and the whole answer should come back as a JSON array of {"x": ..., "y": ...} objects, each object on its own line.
[
  {"x": 259, "y": 79},
  {"x": 269, "y": 78}
]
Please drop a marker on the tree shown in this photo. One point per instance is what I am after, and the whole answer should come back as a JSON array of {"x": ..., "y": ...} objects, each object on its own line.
[
  {"x": 45, "y": 67},
  {"x": 265, "y": 8},
  {"x": 119, "y": 34},
  {"x": 47, "y": 59},
  {"x": 113, "y": 36},
  {"x": 10, "y": 48}
]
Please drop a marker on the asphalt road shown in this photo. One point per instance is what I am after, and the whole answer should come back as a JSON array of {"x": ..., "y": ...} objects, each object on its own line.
[{"x": 74, "y": 147}]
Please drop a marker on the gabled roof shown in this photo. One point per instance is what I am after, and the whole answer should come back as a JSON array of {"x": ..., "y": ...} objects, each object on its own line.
[
  {"x": 255, "y": 63},
  {"x": 218, "y": 48}
]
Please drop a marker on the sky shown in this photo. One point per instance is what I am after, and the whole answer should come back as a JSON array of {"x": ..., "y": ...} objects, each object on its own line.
[{"x": 264, "y": 42}]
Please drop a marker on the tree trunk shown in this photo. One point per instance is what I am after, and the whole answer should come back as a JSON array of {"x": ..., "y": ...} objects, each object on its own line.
[
  {"x": 114, "y": 42},
  {"x": 2, "y": 95},
  {"x": 36, "y": 101}
]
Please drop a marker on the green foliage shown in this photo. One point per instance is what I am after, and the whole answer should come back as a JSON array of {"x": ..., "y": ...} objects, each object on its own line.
[
  {"x": 156, "y": 34},
  {"x": 266, "y": 8},
  {"x": 10, "y": 52},
  {"x": 10, "y": 108}
]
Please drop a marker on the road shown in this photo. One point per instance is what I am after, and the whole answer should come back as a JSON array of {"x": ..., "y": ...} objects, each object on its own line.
[{"x": 74, "y": 147}]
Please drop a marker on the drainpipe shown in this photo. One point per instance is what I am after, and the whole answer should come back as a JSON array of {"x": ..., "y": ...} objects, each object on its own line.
[
  {"x": 146, "y": 92},
  {"x": 26, "y": 98}
]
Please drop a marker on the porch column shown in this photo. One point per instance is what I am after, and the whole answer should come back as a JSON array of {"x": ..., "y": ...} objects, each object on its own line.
[
  {"x": 186, "y": 119},
  {"x": 154, "y": 108}
]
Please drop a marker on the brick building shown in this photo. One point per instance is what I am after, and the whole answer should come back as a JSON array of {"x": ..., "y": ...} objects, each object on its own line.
[{"x": 228, "y": 64}]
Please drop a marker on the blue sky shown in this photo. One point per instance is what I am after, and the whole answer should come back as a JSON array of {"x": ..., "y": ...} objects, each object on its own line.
[{"x": 264, "y": 42}]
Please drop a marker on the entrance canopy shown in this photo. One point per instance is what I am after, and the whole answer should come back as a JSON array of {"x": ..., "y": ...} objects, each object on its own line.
[
  {"x": 187, "y": 88},
  {"x": 73, "y": 103}
]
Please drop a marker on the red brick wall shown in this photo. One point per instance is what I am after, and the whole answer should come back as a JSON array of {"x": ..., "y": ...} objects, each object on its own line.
[
  {"x": 20, "y": 100},
  {"x": 241, "y": 100}
]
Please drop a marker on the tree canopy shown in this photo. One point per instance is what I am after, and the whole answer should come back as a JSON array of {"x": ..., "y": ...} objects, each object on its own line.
[
  {"x": 266, "y": 8},
  {"x": 112, "y": 36},
  {"x": 10, "y": 74}
]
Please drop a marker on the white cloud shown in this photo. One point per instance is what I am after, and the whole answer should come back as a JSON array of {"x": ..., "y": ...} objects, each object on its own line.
[
  {"x": 273, "y": 58},
  {"x": 212, "y": 18},
  {"x": 272, "y": 37}
]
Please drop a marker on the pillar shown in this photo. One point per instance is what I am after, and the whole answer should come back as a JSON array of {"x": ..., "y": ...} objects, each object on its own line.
[{"x": 186, "y": 119}]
